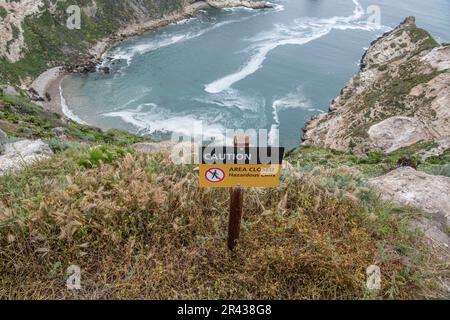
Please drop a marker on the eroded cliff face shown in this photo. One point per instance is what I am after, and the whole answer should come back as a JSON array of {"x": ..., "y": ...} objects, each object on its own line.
[{"x": 401, "y": 96}]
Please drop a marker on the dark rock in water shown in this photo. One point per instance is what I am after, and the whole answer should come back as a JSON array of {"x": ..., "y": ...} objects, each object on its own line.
[{"x": 106, "y": 70}]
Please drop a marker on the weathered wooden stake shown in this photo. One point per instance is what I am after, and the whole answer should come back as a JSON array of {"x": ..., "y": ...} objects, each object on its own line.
[
  {"x": 236, "y": 205},
  {"x": 236, "y": 202}
]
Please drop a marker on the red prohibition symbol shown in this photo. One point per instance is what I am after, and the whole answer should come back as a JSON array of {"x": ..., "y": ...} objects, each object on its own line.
[{"x": 215, "y": 175}]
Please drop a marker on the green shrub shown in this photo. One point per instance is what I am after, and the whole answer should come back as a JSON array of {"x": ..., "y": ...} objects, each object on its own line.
[
  {"x": 3, "y": 13},
  {"x": 101, "y": 155},
  {"x": 441, "y": 170}
]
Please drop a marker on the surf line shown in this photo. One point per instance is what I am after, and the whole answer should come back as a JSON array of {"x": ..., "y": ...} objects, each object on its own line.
[{"x": 295, "y": 36}]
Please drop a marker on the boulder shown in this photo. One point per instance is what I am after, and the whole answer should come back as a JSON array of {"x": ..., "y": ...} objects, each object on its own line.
[
  {"x": 397, "y": 132},
  {"x": 239, "y": 3},
  {"x": 10, "y": 90},
  {"x": 60, "y": 132},
  {"x": 3, "y": 140},
  {"x": 429, "y": 193},
  {"x": 19, "y": 154}
]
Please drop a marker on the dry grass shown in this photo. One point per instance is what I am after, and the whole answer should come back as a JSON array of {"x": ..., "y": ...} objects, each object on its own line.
[{"x": 141, "y": 228}]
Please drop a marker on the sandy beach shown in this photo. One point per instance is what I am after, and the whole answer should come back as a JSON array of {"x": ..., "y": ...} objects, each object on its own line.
[
  {"x": 47, "y": 84},
  {"x": 52, "y": 88},
  {"x": 50, "y": 81}
]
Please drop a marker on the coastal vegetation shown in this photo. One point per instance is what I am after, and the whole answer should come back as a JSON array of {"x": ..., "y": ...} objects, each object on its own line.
[
  {"x": 139, "y": 226},
  {"x": 129, "y": 219},
  {"x": 20, "y": 118},
  {"x": 48, "y": 42},
  {"x": 393, "y": 82}
]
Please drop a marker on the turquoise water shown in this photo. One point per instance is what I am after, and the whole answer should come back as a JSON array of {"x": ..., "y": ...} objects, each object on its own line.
[{"x": 240, "y": 69}]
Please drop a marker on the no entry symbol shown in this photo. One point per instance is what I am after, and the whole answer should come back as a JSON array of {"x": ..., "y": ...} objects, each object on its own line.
[{"x": 215, "y": 175}]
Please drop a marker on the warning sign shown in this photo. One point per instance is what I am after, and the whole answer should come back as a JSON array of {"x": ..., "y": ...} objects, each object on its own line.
[
  {"x": 215, "y": 175},
  {"x": 245, "y": 167}
]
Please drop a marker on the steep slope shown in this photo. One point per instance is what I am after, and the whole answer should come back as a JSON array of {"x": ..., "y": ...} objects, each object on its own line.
[{"x": 400, "y": 97}]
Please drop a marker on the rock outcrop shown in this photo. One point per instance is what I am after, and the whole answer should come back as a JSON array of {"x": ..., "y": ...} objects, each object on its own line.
[
  {"x": 19, "y": 154},
  {"x": 429, "y": 193},
  {"x": 400, "y": 96},
  {"x": 11, "y": 30},
  {"x": 239, "y": 3},
  {"x": 397, "y": 132},
  {"x": 3, "y": 140},
  {"x": 9, "y": 90}
]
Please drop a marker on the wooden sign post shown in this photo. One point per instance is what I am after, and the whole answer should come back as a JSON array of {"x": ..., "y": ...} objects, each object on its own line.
[
  {"x": 234, "y": 224},
  {"x": 239, "y": 167},
  {"x": 236, "y": 201}
]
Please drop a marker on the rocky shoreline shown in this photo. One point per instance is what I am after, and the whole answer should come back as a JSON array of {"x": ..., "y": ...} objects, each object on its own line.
[
  {"x": 46, "y": 88},
  {"x": 400, "y": 97},
  {"x": 90, "y": 62}
]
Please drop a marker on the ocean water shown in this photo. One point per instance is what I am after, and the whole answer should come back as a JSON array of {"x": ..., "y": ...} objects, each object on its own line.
[{"x": 240, "y": 69}]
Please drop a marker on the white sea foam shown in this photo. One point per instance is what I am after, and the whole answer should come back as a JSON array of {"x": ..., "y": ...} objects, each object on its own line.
[
  {"x": 66, "y": 111},
  {"x": 184, "y": 21},
  {"x": 302, "y": 31},
  {"x": 232, "y": 98},
  {"x": 164, "y": 40},
  {"x": 128, "y": 53},
  {"x": 277, "y": 7},
  {"x": 149, "y": 119},
  {"x": 290, "y": 101}
]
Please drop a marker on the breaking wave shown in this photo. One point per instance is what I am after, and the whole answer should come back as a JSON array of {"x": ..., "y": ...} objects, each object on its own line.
[
  {"x": 302, "y": 31},
  {"x": 290, "y": 101},
  {"x": 164, "y": 40},
  {"x": 66, "y": 111},
  {"x": 233, "y": 99},
  {"x": 150, "y": 119}
]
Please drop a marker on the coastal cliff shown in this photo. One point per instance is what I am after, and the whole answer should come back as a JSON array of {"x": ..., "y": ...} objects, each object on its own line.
[
  {"x": 34, "y": 34},
  {"x": 400, "y": 97}
]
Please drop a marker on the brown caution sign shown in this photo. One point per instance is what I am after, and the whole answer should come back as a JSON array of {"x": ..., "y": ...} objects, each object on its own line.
[{"x": 245, "y": 167}]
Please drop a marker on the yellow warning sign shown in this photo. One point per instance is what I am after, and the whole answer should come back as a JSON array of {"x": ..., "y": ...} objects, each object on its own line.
[
  {"x": 239, "y": 175},
  {"x": 246, "y": 167}
]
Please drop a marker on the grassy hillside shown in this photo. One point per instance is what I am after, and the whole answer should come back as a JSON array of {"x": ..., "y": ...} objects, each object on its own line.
[
  {"x": 22, "y": 119},
  {"x": 140, "y": 227}
]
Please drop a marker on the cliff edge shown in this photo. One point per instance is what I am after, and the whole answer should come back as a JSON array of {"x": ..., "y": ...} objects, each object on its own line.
[{"x": 400, "y": 97}]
